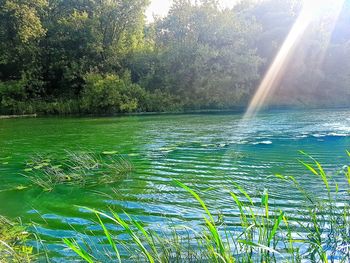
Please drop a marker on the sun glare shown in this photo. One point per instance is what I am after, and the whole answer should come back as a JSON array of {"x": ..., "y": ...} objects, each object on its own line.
[{"x": 311, "y": 10}]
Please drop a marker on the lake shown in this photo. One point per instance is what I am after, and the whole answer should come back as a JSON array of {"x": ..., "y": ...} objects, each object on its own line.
[{"x": 205, "y": 151}]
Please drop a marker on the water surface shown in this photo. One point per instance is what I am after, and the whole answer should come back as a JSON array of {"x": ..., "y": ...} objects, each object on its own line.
[{"x": 205, "y": 151}]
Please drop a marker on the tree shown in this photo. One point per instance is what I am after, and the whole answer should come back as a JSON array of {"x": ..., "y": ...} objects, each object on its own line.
[
  {"x": 21, "y": 29},
  {"x": 205, "y": 55},
  {"x": 85, "y": 36}
]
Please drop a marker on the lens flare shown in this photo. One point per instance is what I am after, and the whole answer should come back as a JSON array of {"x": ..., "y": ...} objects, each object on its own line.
[{"x": 311, "y": 10}]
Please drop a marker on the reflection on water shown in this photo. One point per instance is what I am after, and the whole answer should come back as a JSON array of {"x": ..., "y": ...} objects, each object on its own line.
[{"x": 206, "y": 151}]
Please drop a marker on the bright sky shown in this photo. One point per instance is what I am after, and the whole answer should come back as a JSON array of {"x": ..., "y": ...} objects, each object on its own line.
[{"x": 161, "y": 7}]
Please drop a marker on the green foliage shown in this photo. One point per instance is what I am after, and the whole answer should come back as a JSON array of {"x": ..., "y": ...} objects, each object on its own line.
[
  {"x": 23, "y": 17},
  {"x": 21, "y": 29},
  {"x": 110, "y": 93},
  {"x": 161, "y": 101},
  {"x": 13, "y": 237},
  {"x": 206, "y": 55},
  {"x": 12, "y": 97},
  {"x": 200, "y": 56}
]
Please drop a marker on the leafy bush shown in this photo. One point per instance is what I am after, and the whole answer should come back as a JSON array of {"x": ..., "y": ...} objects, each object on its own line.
[
  {"x": 102, "y": 94},
  {"x": 162, "y": 101},
  {"x": 110, "y": 93},
  {"x": 60, "y": 107},
  {"x": 12, "y": 97}
]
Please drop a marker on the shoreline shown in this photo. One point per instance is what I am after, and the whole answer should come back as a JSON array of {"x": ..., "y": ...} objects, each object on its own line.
[
  {"x": 18, "y": 116},
  {"x": 237, "y": 110}
]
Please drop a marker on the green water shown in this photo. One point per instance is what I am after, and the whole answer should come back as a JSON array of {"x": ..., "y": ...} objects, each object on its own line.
[{"x": 204, "y": 151}]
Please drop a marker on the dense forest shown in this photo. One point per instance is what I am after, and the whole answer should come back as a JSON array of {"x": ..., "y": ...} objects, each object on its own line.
[{"x": 98, "y": 56}]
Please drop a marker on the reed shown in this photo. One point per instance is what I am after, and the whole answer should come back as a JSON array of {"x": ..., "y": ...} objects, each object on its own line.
[{"x": 266, "y": 234}]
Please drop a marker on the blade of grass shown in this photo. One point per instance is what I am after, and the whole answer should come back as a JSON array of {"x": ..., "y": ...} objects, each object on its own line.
[
  {"x": 110, "y": 240},
  {"x": 275, "y": 227},
  {"x": 73, "y": 245},
  {"x": 195, "y": 196}
]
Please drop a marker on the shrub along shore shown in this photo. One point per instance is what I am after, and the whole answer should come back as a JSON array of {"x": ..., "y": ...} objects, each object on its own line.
[{"x": 103, "y": 57}]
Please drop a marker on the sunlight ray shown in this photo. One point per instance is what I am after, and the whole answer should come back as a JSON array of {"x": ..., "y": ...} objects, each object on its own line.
[{"x": 310, "y": 11}]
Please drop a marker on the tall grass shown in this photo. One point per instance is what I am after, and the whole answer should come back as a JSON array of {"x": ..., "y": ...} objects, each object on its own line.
[{"x": 266, "y": 234}]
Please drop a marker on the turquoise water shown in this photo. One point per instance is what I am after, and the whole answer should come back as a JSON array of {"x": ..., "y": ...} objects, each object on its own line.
[{"x": 205, "y": 151}]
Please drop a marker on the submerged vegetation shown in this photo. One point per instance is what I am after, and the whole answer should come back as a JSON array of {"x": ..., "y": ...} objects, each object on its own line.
[
  {"x": 319, "y": 231},
  {"x": 64, "y": 57},
  {"x": 13, "y": 238},
  {"x": 83, "y": 169}
]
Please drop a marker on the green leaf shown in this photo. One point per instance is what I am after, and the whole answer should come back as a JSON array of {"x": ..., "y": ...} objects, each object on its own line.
[
  {"x": 73, "y": 245},
  {"x": 110, "y": 240},
  {"x": 197, "y": 197},
  {"x": 275, "y": 227}
]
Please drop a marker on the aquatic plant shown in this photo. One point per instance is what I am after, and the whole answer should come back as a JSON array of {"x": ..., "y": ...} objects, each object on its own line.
[
  {"x": 77, "y": 168},
  {"x": 13, "y": 247},
  {"x": 319, "y": 233},
  {"x": 328, "y": 219}
]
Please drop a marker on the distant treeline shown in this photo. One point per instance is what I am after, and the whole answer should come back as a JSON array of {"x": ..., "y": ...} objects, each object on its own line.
[{"x": 99, "y": 56}]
